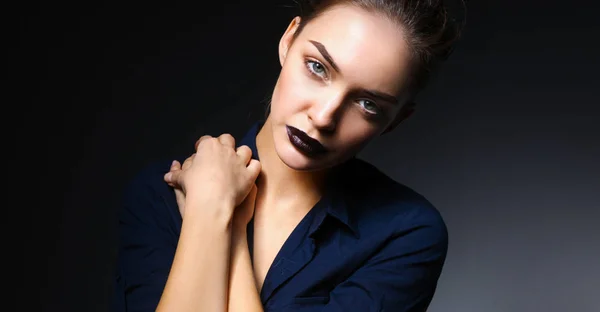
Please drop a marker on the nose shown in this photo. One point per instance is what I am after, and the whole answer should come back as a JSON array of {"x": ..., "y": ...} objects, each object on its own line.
[{"x": 325, "y": 112}]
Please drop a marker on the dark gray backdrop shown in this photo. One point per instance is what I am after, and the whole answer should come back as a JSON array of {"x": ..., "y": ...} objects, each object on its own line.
[{"x": 505, "y": 141}]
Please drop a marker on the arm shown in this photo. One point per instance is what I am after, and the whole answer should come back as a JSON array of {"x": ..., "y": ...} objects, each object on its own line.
[
  {"x": 217, "y": 179},
  {"x": 200, "y": 270},
  {"x": 243, "y": 293},
  {"x": 152, "y": 249}
]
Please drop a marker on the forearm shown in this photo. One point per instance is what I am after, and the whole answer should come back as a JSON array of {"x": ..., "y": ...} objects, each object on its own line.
[
  {"x": 243, "y": 293},
  {"x": 198, "y": 280}
]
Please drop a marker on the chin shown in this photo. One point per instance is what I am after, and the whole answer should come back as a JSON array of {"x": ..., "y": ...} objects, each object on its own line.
[{"x": 296, "y": 160}]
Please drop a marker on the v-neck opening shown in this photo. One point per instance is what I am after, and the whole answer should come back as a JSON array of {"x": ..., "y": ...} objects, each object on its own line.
[{"x": 293, "y": 251}]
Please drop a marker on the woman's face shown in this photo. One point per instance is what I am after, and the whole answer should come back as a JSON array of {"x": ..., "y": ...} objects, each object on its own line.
[{"x": 341, "y": 84}]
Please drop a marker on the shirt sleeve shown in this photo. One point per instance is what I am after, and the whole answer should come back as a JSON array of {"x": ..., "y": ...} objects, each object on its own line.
[
  {"x": 401, "y": 277},
  {"x": 149, "y": 226}
]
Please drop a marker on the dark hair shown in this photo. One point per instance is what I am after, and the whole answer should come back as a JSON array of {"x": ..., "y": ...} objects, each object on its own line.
[{"x": 430, "y": 31}]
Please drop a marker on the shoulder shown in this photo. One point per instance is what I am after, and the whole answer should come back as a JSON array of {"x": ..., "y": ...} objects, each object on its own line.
[
  {"x": 146, "y": 197},
  {"x": 377, "y": 201},
  {"x": 148, "y": 179}
]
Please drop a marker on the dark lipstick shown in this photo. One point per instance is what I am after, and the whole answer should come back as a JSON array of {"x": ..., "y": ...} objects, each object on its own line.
[{"x": 304, "y": 143}]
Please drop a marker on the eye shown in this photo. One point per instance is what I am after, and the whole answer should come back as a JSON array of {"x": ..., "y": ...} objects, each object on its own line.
[
  {"x": 369, "y": 106},
  {"x": 316, "y": 68}
]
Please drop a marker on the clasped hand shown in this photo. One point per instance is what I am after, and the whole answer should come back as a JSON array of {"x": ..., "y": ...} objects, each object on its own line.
[{"x": 216, "y": 173}]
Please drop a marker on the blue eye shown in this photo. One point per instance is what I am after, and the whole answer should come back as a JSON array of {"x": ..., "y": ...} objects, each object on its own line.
[
  {"x": 316, "y": 68},
  {"x": 369, "y": 107}
]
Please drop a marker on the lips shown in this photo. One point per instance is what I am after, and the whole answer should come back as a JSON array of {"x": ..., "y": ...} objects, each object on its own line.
[{"x": 304, "y": 143}]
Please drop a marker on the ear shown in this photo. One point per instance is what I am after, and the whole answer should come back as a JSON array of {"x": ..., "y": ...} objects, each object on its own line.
[
  {"x": 406, "y": 111},
  {"x": 286, "y": 40}
]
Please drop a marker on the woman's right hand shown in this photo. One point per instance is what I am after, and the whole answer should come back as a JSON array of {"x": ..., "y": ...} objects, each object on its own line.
[{"x": 218, "y": 172}]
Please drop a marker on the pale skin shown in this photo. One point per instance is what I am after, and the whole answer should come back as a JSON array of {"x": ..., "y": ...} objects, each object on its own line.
[
  {"x": 220, "y": 188},
  {"x": 217, "y": 179}
]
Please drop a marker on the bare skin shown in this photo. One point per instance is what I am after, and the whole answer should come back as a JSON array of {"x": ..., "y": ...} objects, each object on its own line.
[{"x": 218, "y": 179}]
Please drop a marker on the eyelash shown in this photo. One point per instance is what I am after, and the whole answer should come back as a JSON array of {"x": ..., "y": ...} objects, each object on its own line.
[
  {"x": 309, "y": 64},
  {"x": 369, "y": 111}
]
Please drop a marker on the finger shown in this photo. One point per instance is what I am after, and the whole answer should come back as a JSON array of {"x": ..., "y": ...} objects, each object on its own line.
[
  {"x": 253, "y": 169},
  {"x": 174, "y": 167},
  {"x": 251, "y": 197},
  {"x": 188, "y": 162},
  {"x": 172, "y": 185},
  {"x": 245, "y": 153},
  {"x": 179, "y": 195},
  {"x": 202, "y": 138},
  {"x": 173, "y": 177},
  {"x": 180, "y": 198},
  {"x": 227, "y": 140}
]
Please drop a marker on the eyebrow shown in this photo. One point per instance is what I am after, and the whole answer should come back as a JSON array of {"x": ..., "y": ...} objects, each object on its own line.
[
  {"x": 325, "y": 54},
  {"x": 382, "y": 96},
  {"x": 374, "y": 93}
]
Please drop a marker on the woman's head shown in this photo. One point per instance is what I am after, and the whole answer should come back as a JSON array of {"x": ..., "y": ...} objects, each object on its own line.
[{"x": 350, "y": 71}]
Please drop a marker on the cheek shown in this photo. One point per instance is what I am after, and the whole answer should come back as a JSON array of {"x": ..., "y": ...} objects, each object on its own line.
[
  {"x": 291, "y": 93},
  {"x": 354, "y": 135}
]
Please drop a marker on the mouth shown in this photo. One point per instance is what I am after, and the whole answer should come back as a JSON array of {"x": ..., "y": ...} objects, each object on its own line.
[{"x": 304, "y": 143}]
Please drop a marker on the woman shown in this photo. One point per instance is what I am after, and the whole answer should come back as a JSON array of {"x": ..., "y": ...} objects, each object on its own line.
[{"x": 287, "y": 219}]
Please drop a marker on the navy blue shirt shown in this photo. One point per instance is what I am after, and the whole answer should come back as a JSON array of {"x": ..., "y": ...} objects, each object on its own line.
[{"x": 369, "y": 244}]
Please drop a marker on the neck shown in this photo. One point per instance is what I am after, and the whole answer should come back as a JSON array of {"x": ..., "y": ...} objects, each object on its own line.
[{"x": 277, "y": 183}]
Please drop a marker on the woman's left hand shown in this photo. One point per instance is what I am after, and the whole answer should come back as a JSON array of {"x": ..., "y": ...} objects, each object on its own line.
[{"x": 179, "y": 194}]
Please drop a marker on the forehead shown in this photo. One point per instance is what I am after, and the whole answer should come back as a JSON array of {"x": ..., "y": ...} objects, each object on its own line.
[{"x": 368, "y": 47}]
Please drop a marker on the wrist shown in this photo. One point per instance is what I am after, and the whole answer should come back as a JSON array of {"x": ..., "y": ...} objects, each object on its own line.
[{"x": 212, "y": 209}]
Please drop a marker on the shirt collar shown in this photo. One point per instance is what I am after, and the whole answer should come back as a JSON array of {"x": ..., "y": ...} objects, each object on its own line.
[
  {"x": 340, "y": 205},
  {"x": 249, "y": 139},
  {"x": 334, "y": 204}
]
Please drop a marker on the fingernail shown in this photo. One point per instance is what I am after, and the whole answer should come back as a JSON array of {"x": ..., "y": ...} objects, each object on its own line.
[
  {"x": 173, "y": 163},
  {"x": 168, "y": 176}
]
